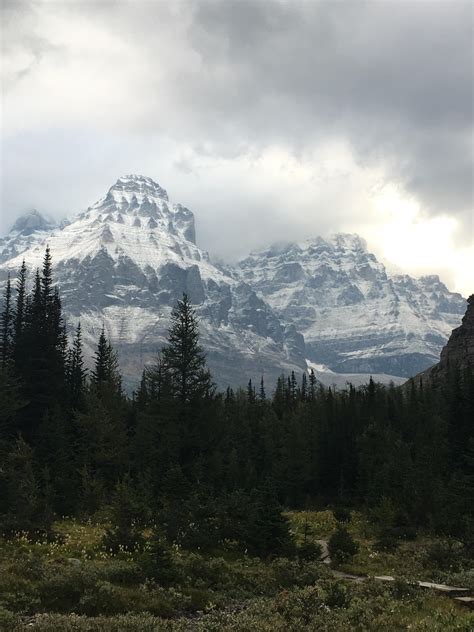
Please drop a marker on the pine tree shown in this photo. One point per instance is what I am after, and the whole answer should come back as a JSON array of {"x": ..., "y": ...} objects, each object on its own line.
[
  {"x": 184, "y": 361},
  {"x": 20, "y": 301},
  {"x": 250, "y": 392},
  {"x": 40, "y": 348},
  {"x": 312, "y": 386},
  {"x": 76, "y": 373},
  {"x": 106, "y": 376},
  {"x": 262, "y": 390},
  {"x": 304, "y": 388},
  {"x": 6, "y": 327}
]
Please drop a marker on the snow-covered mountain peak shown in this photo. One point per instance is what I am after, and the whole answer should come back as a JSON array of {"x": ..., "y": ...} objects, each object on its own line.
[
  {"x": 146, "y": 205},
  {"x": 123, "y": 263},
  {"x": 355, "y": 317},
  {"x": 30, "y": 222},
  {"x": 348, "y": 242},
  {"x": 141, "y": 185}
]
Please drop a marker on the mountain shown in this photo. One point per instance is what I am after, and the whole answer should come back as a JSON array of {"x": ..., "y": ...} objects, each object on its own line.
[
  {"x": 29, "y": 229},
  {"x": 125, "y": 261},
  {"x": 355, "y": 317},
  {"x": 458, "y": 351}
]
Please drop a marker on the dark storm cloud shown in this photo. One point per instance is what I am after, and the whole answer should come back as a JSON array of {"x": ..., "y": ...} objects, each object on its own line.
[{"x": 393, "y": 80}]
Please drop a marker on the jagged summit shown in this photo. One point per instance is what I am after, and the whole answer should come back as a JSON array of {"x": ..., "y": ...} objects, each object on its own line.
[
  {"x": 124, "y": 262},
  {"x": 141, "y": 185},
  {"x": 30, "y": 222},
  {"x": 355, "y": 317},
  {"x": 126, "y": 259}
]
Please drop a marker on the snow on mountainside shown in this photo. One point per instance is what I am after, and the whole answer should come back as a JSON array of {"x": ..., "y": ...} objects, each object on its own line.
[
  {"x": 126, "y": 260},
  {"x": 355, "y": 317}
]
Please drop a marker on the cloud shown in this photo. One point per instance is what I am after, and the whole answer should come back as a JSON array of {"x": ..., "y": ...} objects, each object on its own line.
[{"x": 286, "y": 117}]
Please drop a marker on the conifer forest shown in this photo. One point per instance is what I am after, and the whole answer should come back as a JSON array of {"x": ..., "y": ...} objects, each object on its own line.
[{"x": 179, "y": 507}]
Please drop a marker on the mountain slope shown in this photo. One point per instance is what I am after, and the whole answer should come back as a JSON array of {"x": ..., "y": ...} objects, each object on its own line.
[
  {"x": 355, "y": 317},
  {"x": 126, "y": 260},
  {"x": 458, "y": 353}
]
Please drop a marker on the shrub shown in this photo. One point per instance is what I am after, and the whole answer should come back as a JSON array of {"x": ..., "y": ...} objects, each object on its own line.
[
  {"x": 309, "y": 551},
  {"x": 63, "y": 586},
  {"x": 341, "y": 545},
  {"x": 300, "y": 605},
  {"x": 8, "y": 620},
  {"x": 444, "y": 555},
  {"x": 157, "y": 560},
  {"x": 117, "y": 571},
  {"x": 123, "y": 538},
  {"x": 386, "y": 542},
  {"x": 342, "y": 515}
]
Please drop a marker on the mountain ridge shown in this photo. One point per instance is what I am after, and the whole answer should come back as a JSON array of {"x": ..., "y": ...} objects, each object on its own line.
[{"x": 125, "y": 260}]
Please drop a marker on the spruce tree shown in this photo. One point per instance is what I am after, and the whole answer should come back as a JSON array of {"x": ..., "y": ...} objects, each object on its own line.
[
  {"x": 184, "y": 361},
  {"x": 106, "y": 376},
  {"x": 6, "y": 327},
  {"x": 312, "y": 385},
  {"x": 76, "y": 373},
  {"x": 20, "y": 301}
]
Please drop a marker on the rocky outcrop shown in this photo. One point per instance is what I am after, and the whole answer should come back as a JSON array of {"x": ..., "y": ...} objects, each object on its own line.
[
  {"x": 354, "y": 315},
  {"x": 460, "y": 348},
  {"x": 125, "y": 261},
  {"x": 458, "y": 353}
]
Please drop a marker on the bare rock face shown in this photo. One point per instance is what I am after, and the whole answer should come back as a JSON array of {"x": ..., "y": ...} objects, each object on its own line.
[{"x": 459, "y": 350}]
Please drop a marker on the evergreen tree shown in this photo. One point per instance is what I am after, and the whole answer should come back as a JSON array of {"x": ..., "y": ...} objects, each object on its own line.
[
  {"x": 304, "y": 388},
  {"x": 106, "y": 376},
  {"x": 22, "y": 503},
  {"x": 76, "y": 373},
  {"x": 40, "y": 351},
  {"x": 6, "y": 327},
  {"x": 312, "y": 385},
  {"x": 250, "y": 392},
  {"x": 20, "y": 301},
  {"x": 184, "y": 361}
]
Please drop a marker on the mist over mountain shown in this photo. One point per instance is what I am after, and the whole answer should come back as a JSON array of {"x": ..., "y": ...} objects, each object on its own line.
[{"x": 124, "y": 262}]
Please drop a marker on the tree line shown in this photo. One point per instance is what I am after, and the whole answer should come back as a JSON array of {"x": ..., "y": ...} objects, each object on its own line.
[{"x": 210, "y": 466}]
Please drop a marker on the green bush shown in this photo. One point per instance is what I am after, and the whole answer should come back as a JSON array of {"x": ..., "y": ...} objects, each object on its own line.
[
  {"x": 157, "y": 560},
  {"x": 309, "y": 551},
  {"x": 8, "y": 620},
  {"x": 64, "y": 585},
  {"x": 445, "y": 555},
  {"x": 386, "y": 542},
  {"x": 342, "y": 514},
  {"x": 123, "y": 538},
  {"x": 117, "y": 571},
  {"x": 341, "y": 545}
]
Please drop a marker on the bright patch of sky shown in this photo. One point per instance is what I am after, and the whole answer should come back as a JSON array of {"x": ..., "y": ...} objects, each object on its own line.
[{"x": 270, "y": 120}]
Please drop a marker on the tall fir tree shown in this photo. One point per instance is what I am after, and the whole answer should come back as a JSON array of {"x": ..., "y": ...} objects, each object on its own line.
[
  {"x": 6, "y": 327},
  {"x": 184, "y": 361},
  {"x": 75, "y": 372},
  {"x": 105, "y": 375}
]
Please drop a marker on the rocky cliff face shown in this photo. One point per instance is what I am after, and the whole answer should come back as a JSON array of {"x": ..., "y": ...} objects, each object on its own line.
[
  {"x": 355, "y": 317},
  {"x": 126, "y": 260},
  {"x": 459, "y": 350}
]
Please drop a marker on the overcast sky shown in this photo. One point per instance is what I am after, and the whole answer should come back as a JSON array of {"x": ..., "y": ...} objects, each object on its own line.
[{"x": 270, "y": 120}]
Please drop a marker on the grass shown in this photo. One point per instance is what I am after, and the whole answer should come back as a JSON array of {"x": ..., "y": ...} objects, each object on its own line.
[{"x": 71, "y": 583}]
